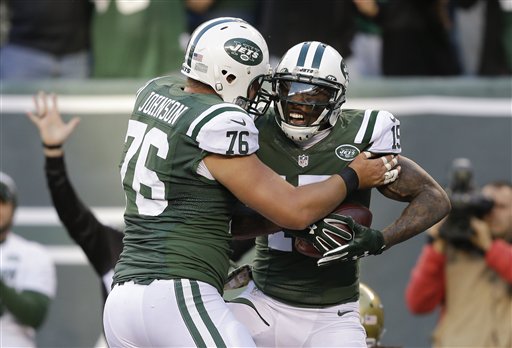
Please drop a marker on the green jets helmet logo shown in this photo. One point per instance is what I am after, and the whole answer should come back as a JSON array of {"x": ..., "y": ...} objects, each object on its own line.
[
  {"x": 347, "y": 152},
  {"x": 244, "y": 51}
]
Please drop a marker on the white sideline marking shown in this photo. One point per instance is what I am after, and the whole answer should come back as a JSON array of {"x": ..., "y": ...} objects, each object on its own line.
[
  {"x": 401, "y": 106},
  {"x": 47, "y": 216},
  {"x": 437, "y": 105},
  {"x": 67, "y": 255},
  {"x": 91, "y": 104}
]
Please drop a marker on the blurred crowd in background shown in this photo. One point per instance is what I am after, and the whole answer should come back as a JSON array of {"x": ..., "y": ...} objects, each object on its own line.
[{"x": 142, "y": 39}]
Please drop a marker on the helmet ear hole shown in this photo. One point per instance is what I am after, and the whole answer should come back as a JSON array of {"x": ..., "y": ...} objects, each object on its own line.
[{"x": 230, "y": 78}]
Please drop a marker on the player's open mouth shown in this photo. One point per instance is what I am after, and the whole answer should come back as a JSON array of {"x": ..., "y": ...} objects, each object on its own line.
[{"x": 296, "y": 119}]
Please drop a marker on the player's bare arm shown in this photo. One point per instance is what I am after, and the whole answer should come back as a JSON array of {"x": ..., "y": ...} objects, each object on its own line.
[
  {"x": 286, "y": 205},
  {"x": 428, "y": 202}
]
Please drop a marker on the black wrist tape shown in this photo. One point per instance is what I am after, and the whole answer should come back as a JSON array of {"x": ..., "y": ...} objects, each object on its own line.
[
  {"x": 351, "y": 179},
  {"x": 52, "y": 147}
]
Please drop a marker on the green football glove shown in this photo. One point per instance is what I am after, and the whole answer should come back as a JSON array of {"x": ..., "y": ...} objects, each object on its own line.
[
  {"x": 367, "y": 241},
  {"x": 324, "y": 234}
]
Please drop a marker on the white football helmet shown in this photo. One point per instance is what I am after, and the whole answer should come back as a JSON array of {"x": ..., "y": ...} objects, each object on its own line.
[
  {"x": 232, "y": 57},
  {"x": 309, "y": 69}
]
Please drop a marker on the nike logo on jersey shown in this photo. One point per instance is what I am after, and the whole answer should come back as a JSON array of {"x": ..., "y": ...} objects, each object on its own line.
[
  {"x": 340, "y": 313},
  {"x": 242, "y": 122}
]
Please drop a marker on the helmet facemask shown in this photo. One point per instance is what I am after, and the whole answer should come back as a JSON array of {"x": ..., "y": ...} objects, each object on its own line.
[{"x": 258, "y": 98}]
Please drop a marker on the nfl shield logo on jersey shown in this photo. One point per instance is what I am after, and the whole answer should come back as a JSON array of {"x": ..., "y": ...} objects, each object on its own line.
[{"x": 303, "y": 160}]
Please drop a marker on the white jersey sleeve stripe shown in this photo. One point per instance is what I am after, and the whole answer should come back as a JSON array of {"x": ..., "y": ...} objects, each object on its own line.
[
  {"x": 207, "y": 112},
  {"x": 362, "y": 129}
]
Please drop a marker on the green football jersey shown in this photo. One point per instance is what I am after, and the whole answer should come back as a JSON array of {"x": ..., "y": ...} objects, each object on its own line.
[
  {"x": 177, "y": 216},
  {"x": 279, "y": 270}
]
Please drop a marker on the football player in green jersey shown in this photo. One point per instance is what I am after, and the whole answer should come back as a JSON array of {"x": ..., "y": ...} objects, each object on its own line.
[
  {"x": 189, "y": 155},
  {"x": 297, "y": 300}
]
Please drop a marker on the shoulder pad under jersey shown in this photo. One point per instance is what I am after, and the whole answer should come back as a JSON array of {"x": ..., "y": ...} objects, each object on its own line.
[
  {"x": 381, "y": 130},
  {"x": 225, "y": 129}
]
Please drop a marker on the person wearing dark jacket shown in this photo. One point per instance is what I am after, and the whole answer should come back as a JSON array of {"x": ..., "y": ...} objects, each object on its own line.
[
  {"x": 101, "y": 244},
  {"x": 46, "y": 39}
]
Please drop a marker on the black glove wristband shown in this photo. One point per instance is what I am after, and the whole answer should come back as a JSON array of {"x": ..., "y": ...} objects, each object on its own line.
[
  {"x": 51, "y": 147},
  {"x": 351, "y": 179}
]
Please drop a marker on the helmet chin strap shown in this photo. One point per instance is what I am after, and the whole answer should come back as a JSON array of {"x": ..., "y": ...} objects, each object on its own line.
[
  {"x": 334, "y": 116},
  {"x": 298, "y": 133},
  {"x": 312, "y": 139},
  {"x": 323, "y": 118}
]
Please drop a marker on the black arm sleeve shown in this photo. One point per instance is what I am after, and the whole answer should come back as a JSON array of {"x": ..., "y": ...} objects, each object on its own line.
[{"x": 102, "y": 244}]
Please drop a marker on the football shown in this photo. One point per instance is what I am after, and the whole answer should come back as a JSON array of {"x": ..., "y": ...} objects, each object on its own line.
[{"x": 358, "y": 212}]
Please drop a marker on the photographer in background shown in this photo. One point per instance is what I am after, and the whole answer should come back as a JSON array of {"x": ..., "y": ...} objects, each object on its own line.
[{"x": 468, "y": 272}]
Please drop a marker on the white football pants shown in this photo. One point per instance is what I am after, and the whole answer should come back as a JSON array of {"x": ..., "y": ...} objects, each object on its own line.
[
  {"x": 275, "y": 324},
  {"x": 171, "y": 313}
]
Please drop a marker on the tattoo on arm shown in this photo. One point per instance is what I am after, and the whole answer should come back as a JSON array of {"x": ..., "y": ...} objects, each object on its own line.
[{"x": 428, "y": 203}]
